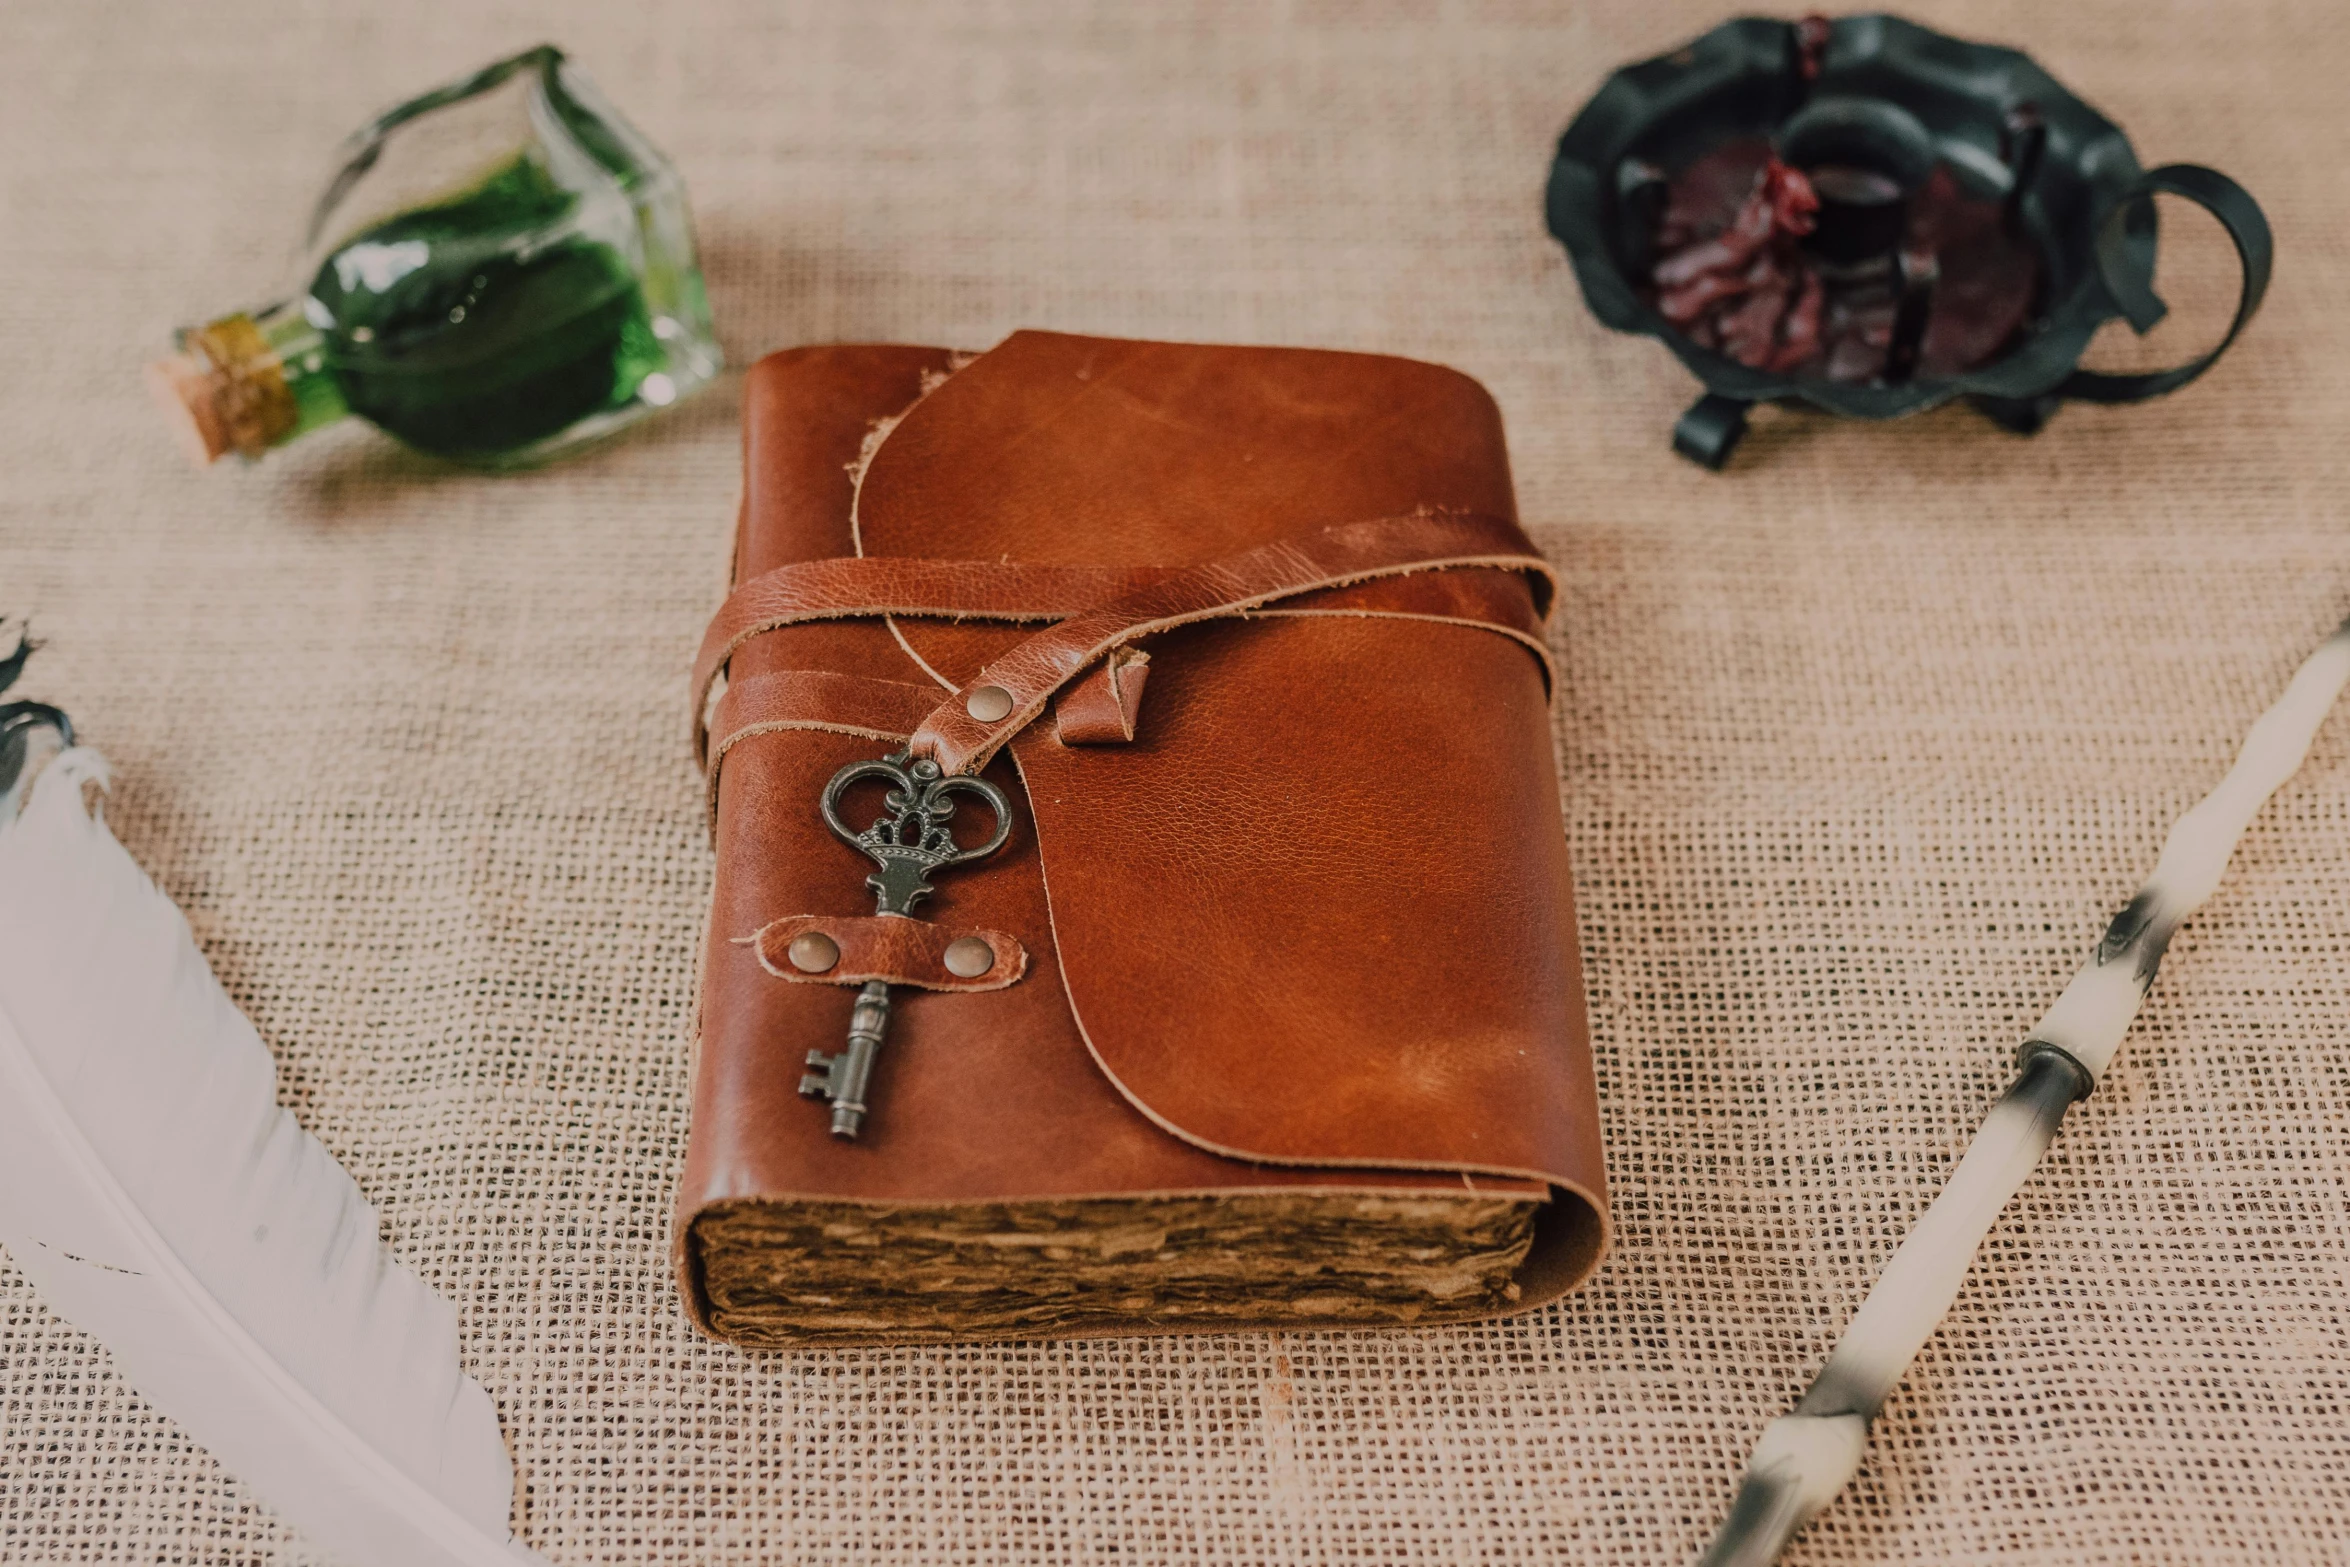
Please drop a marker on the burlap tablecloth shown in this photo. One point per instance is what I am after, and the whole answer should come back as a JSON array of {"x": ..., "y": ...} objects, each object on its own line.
[{"x": 1861, "y": 742}]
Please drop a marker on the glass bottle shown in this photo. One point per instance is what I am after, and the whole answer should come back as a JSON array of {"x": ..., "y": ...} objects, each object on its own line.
[{"x": 501, "y": 271}]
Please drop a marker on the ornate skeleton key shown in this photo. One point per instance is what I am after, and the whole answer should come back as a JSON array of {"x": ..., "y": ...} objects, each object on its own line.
[{"x": 909, "y": 841}]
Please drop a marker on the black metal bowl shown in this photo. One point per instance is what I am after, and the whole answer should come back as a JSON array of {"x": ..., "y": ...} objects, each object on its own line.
[{"x": 2072, "y": 183}]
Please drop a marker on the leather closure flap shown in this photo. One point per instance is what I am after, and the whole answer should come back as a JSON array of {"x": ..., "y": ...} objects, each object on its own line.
[{"x": 1315, "y": 909}]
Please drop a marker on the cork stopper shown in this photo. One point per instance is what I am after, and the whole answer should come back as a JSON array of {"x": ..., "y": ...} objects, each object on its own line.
[
  {"x": 224, "y": 391},
  {"x": 188, "y": 391}
]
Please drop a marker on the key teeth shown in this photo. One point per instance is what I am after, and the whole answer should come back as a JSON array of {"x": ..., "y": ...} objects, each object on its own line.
[
  {"x": 813, "y": 1086},
  {"x": 820, "y": 1061}
]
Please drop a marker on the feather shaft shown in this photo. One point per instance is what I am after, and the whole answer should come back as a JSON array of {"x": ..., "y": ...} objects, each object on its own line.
[{"x": 158, "y": 1196}]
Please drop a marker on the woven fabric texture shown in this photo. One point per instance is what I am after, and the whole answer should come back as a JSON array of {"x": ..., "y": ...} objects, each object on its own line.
[{"x": 1861, "y": 741}]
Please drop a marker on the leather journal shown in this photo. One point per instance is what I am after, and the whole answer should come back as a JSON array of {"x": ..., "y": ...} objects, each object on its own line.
[{"x": 1142, "y": 902}]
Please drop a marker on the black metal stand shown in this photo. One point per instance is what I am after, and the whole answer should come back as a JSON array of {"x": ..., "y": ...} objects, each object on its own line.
[{"x": 1711, "y": 429}]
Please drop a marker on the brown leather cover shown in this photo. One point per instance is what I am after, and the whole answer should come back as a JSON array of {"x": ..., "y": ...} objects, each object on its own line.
[{"x": 1302, "y": 919}]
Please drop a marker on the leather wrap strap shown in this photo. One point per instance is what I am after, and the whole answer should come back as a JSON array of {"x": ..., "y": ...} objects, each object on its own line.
[
  {"x": 811, "y": 699},
  {"x": 1332, "y": 557},
  {"x": 847, "y": 587},
  {"x": 1095, "y": 610}
]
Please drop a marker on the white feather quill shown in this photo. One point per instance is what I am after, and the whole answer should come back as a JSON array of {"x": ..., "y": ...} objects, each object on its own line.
[{"x": 160, "y": 1198}]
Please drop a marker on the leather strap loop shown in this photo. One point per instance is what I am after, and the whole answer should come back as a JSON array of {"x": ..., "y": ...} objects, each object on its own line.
[
  {"x": 850, "y": 586},
  {"x": 1097, "y": 607},
  {"x": 811, "y": 699},
  {"x": 1104, "y": 707},
  {"x": 1030, "y": 673},
  {"x": 819, "y": 699},
  {"x": 892, "y": 949},
  {"x": 1493, "y": 600}
]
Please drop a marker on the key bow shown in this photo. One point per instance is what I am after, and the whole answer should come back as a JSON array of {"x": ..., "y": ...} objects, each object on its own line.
[{"x": 912, "y": 837}]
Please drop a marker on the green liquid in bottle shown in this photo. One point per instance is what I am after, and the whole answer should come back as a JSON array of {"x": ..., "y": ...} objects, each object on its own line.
[
  {"x": 458, "y": 346},
  {"x": 504, "y": 269}
]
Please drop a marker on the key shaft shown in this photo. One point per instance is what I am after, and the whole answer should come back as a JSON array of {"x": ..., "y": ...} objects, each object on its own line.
[{"x": 842, "y": 1078}]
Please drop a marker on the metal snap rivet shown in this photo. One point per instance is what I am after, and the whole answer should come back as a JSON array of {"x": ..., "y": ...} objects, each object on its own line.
[
  {"x": 968, "y": 957},
  {"x": 812, "y": 952},
  {"x": 988, "y": 703}
]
